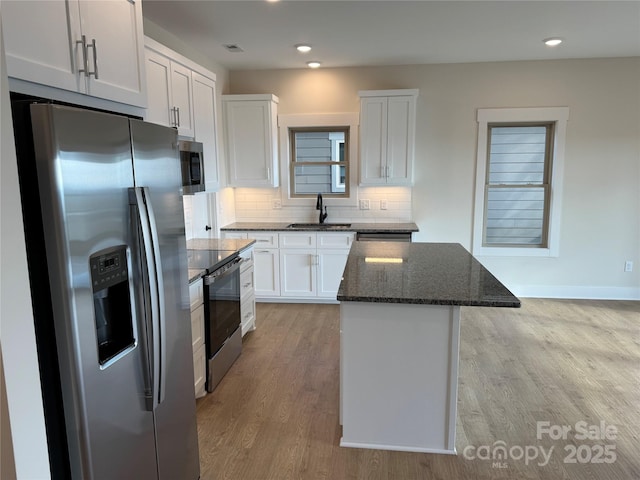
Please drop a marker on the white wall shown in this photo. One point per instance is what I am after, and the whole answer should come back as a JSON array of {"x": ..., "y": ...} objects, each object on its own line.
[
  {"x": 601, "y": 203},
  {"x": 17, "y": 336}
]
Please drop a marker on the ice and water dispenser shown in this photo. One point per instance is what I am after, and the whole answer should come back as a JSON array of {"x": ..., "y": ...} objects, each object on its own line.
[{"x": 111, "y": 302}]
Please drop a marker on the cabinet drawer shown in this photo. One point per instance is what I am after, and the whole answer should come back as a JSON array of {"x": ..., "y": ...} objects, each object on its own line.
[
  {"x": 265, "y": 240},
  {"x": 197, "y": 327},
  {"x": 200, "y": 371},
  {"x": 248, "y": 313},
  {"x": 335, "y": 240},
  {"x": 196, "y": 294},
  {"x": 246, "y": 282},
  {"x": 247, "y": 259},
  {"x": 297, "y": 240},
  {"x": 240, "y": 235}
]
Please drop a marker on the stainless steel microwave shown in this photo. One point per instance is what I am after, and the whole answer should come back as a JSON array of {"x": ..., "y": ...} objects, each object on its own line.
[{"x": 192, "y": 166}]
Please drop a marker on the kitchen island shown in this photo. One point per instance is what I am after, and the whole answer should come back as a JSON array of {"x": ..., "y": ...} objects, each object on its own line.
[{"x": 399, "y": 345}]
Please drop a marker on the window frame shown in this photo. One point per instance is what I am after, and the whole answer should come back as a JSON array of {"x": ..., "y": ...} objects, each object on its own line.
[
  {"x": 286, "y": 122},
  {"x": 334, "y": 165},
  {"x": 555, "y": 116}
]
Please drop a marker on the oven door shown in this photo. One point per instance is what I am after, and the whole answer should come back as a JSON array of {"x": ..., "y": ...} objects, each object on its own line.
[{"x": 223, "y": 305}]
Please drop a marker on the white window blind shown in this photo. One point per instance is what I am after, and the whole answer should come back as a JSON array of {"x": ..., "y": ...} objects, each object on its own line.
[{"x": 516, "y": 210}]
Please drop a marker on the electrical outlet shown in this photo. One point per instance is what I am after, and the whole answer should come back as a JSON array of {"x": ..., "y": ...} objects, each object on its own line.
[
  {"x": 365, "y": 204},
  {"x": 628, "y": 266},
  {"x": 383, "y": 204},
  {"x": 276, "y": 204}
]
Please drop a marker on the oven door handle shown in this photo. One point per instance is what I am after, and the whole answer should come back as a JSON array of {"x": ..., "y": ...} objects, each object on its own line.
[{"x": 214, "y": 277}]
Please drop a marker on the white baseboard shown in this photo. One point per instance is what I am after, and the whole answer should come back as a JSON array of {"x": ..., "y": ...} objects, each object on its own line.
[
  {"x": 396, "y": 448},
  {"x": 296, "y": 300},
  {"x": 576, "y": 292}
]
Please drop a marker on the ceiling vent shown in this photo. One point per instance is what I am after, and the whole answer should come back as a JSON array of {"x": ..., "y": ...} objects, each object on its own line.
[{"x": 233, "y": 48}]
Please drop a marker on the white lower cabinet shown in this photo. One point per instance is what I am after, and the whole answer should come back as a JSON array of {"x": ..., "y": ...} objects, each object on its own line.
[
  {"x": 298, "y": 272},
  {"x": 298, "y": 265},
  {"x": 196, "y": 297},
  {"x": 266, "y": 258},
  {"x": 331, "y": 262},
  {"x": 247, "y": 293}
]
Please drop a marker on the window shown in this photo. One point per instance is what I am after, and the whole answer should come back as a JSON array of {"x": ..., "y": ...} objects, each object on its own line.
[
  {"x": 319, "y": 162},
  {"x": 317, "y": 155},
  {"x": 519, "y": 179}
]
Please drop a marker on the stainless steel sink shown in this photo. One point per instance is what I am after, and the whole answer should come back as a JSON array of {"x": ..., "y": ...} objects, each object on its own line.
[{"x": 320, "y": 226}]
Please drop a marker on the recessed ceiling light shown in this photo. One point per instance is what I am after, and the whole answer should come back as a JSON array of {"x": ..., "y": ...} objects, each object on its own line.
[
  {"x": 303, "y": 48},
  {"x": 552, "y": 42},
  {"x": 313, "y": 64}
]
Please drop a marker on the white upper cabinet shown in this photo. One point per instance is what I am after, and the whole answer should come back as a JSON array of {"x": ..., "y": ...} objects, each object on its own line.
[
  {"x": 205, "y": 128},
  {"x": 182, "y": 94},
  {"x": 84, "y": 46},
  {"x": 159, "y": 107},
  {"x": 182, "y": 99},
  {"x": 170, "y": 90},
  {"x": 387, "y": 136},
  {"x": 251, "y": 139}
]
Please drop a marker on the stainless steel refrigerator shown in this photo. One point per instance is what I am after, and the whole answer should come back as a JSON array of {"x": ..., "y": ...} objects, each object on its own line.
[{"x": 113, "y": 228}]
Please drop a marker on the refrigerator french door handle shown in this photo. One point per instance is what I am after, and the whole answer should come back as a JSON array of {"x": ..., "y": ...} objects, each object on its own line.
[{"x": 156, "y": 293}]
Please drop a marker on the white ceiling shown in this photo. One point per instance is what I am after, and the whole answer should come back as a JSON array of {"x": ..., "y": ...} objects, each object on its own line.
[{"x": 357, "y": 33}]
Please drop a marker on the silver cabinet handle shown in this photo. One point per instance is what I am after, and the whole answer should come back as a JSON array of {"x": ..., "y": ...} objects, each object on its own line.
[
  {"x": 388, "y": 171},
  {"x": 83, "y": 44},
  {"x": 95, "y": 59},
  {"x": 176, "y": 116}
]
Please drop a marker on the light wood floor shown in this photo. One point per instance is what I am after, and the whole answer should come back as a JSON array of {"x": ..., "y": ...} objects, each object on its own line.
[{"x": 275, "y": 414}]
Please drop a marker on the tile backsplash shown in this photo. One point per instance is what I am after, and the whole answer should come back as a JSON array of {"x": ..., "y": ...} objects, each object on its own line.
[{"x": 258, "y": 205}]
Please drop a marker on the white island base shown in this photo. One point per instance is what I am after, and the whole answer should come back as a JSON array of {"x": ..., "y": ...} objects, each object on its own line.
[{"x": 399, "y": 376}]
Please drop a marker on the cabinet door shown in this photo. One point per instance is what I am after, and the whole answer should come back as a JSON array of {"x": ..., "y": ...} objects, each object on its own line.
[
  {"x": 266, "y": 265},
  {"x": 158, "y": 89},
  {"x": 331, "y": 264},
  {"x": 197, "y": 327},
  {"x": 181, "y": 95},
  {"x": 250, "y": 143},
  {"x": 373, "y": 140},
  {"x": 248, "y": 314},
  {"x": 118, "y": 55},
  {"x": 400, "y": 140},
  {"x": 204, "y": 119},
  {"x": 298, "y": 272},
  {"x": 36, "y": 42},
  {"x": 200, "y": 371}
]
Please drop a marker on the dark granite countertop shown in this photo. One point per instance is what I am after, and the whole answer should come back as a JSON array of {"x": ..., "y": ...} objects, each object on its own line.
[
  {"x": 235, "y": 244},
  {"x": 355, "y": 227},
  {"x": 423, "y": 273},
  {"x": 203, "y": 254}
]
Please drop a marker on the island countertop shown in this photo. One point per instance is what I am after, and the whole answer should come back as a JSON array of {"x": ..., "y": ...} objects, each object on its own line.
[{"x": 420, "y": 273}]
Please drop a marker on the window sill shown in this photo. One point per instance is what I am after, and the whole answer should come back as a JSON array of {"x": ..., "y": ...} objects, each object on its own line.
[{"x": 514, "y": 252}]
